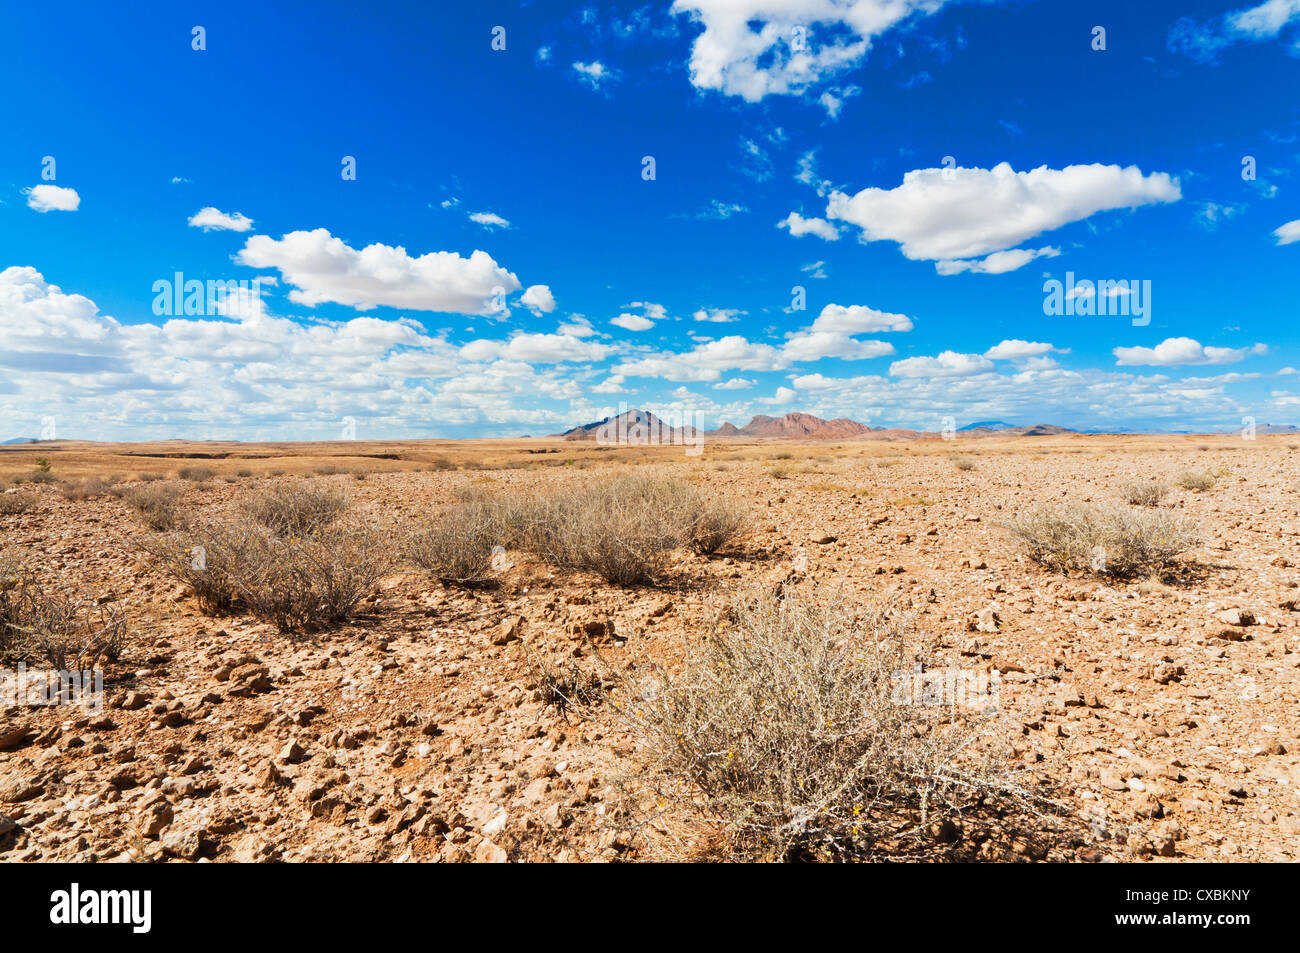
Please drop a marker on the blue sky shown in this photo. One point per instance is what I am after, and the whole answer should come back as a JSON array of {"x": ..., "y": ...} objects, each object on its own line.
[{"x": 502, "y": 263}]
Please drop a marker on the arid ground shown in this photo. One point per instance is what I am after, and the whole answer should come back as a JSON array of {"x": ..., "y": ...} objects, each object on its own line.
[{"x": 1149, "y": 717}]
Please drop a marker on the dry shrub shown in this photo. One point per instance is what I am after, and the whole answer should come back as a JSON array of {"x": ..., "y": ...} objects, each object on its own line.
[
  {"x": 37, "y": 476},
  {"x": 623, "y": 528},
  {"x": 1145, "y": 494},
  {"x": 158, "y": 506},
  {"x": 786, "y": 730},
  {"x": 196, "y": 474},
  {"x": 296, "y": 583},
  {"x": 964, "y": 463},
  {"x": 149, "y": 477},
  {"x": 296, "y": 510},
  {"x": 457, "y": 545},
  {"x": 85, "y": 489},
  {"x": 1198, "y": 480},
  {"x": 11, "y": 504},
  {"x": 37, "y": 623},
  {"x": 1106, "y": 540},
  {"x": 717, "y": 524}
]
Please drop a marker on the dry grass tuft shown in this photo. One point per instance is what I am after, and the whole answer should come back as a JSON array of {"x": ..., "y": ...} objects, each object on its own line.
[
  {"x": 158, "y": 506},
  {"x": 1111, "y": 541},
  {"x": 1198, "y": 480},
  {"x": 1145, "y": 494},
  {"x": 295, "y": 509},
  {"x": 786, "y": 731},
  {"x": 37, "y": 623},
  {"x": 11, "y": 504}
]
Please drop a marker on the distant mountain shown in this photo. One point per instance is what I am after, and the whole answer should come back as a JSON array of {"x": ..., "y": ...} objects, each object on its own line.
[
  {"x": 987, "y": 425},
  {"x": 796, "y": 425},
  {"x": 635, "y": 426},
  {"x": 19, "y": 440}
]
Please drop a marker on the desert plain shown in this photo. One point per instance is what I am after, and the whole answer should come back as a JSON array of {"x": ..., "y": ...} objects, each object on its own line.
[{"x": 1150, "y": 717}]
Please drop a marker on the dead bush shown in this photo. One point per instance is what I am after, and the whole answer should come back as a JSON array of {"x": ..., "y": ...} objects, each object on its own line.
[
  {"x": 716, "y": 525},
  {"x": 964, "y": 463},
  {"x": 786, "y": 729},
  {"x": 622, "y": 528},
  {"x": 85, "y": 489},
  {"x": 1110, "y": 541},
  {"x": 196, "y": 474},
  {"x": 1198, "y": 480},
  {"x": 457, "y": 545},
  {"x": 39, "y": 624},
  {"x": 1145, "y": 494},
  {"x": 296, "y": 583},
  {"x": 11, "y": 504},
  {"x": 297, "y": 510},
  {"x": 158, "y": 506}
]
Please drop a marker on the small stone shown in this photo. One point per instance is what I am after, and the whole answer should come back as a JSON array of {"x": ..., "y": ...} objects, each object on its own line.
[{"x": 489, "y": 853}]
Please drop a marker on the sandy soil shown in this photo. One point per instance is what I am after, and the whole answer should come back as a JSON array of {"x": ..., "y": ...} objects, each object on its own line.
[{"x": 419, "y": 732}]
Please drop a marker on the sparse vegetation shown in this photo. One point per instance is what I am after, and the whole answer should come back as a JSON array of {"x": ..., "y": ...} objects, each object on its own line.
[
  {"x": 1198, "y": 480},
  {"x": 158, "y": 506},
  {"x": 457, "y": 546},
  {"x": 296, "y": 583},
  {"x": 296, "y": 509},
  {"x": 1148, "y": 493},
  {"x": 964, "y": 463},
  {"x": 196, "y": 474},
  {"x": 85, "y": 489},
  {"x": 1110, "y": 541},
  {"x": 783, "y": 723},
  {"x": 39, "y": 624},
  {"x": 11, "y": 504}
]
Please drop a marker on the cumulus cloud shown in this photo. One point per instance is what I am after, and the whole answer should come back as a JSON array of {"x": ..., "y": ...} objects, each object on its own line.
[
  {"x": 1288, "y": 233},
  {"x": 595, "y": 74},
  {"x": 489, "y": 220},
  {"x": 1172, "y": 352},
  {"x": 783, "y": 395},
  {"x": 949, "y": 214},
  {"x": 799, "y": 226},
  {"x": 538, "y": 299},
  {"x": 632, "y": 322},
  {"x": 815, "y": 345},
  {"x": 998, "y": 263},
  {"x": 734, "y": 383},
  {"x": 536, "y": 349},
  {"x": 211, "y": 219},
  {"x": 52, "y": 198},
  {"x": 756, "y": 48},
  {"x": 1015, "y": 349},
  {"x": 859, "y": 319},
  {"x": 1205, "y": 40},
  {"x": 323, "y": 268},
  {"x": 717, "y": 315},
  {"x": 947, "y": 364}
]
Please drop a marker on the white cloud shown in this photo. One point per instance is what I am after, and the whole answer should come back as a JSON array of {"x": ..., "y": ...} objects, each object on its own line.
[
  {"x": 998, "y": 263},
  {"x": 1258, "y": 24},
  {"x": 1172, "y": 352},
  {"x": 948, "y": 214},
  {"x": 211, "y": 219},
  {"x": 632, "y": 322},
  {"x": 1288, "y": 233},
  {"x": 753, "y": 48},
  {"x": 536, "y": 349},
  {"x": 538, "y": 299},
  {"x": 595, "y": 74},
  {"x": 859, "y": 319},
  {"x": 52, "y": 198},
  {"x": 735, "y": 383},
  {"x": 1015, "y": 349},
  {"x": 489, "y": 220},
  {"x": 799, "y": 226},
  {"x": 947, "y": 364},
  {"x": 717, "y": 315},
  {"x": 815, "y": 345},
  {"x": 783, "y": 395},
  {"x": 323, "y": 268}
]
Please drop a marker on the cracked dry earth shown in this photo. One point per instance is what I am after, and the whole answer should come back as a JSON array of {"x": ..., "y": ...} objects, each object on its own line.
[{"x": 1163, "y": 717}]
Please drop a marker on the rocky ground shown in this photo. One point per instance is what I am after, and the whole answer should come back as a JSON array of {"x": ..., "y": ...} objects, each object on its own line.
[{"x": 1161, "y": 716}]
